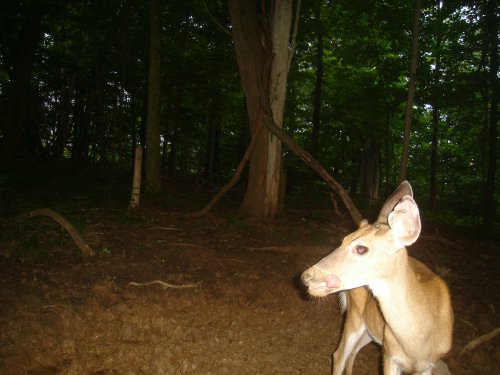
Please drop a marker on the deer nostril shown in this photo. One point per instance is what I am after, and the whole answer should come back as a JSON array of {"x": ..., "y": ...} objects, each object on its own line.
[{"x": 306, "y": 277}]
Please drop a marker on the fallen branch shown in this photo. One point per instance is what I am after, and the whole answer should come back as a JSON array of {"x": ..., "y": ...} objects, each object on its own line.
[
  {"x": 75, "y": 235},
  {"x": 307, "y": 158},
  {"x": 236, "y": 176},
  {"x": 335, "y": 205},
  {"x": 480, "y": 340},
  {"x": 165, "y": 285}
]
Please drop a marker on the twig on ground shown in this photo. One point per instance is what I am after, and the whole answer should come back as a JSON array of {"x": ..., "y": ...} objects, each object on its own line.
[
  {"x": 164, "y": 228},
  {"x": 468, "y": 323},
  {"x": 166, "y": 285},
  {"x": 480, "y": 340}
]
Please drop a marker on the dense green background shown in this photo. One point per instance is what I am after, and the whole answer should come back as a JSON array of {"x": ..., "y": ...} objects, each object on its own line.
[{"x": 87, "y": 90}]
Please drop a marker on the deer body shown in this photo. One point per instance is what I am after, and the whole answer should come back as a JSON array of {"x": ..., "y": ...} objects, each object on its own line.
[{"x": 390, "y": 298}]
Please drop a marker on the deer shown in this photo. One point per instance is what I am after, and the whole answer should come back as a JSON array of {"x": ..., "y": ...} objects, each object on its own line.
[{"x": 388, "y": 296}]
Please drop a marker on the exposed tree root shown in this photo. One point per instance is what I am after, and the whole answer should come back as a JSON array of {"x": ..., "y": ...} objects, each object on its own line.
[
  {"x": 75, "y": 235},
  {"x": 480, "y": 340},
  {"x": 165, "y": 285}
]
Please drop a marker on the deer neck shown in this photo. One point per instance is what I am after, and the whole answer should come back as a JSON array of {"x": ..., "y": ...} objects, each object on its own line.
[{"x": 398, "y": 293}]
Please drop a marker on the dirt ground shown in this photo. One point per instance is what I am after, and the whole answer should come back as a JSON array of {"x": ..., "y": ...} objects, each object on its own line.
[{"x": 242, "y": 310}]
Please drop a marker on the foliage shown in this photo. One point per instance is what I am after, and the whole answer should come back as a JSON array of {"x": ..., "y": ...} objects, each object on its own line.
[{"x": 88, "y": 91}]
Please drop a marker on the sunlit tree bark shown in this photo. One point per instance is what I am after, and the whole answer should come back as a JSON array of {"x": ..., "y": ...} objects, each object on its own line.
[{"x": 261, "y": 35}]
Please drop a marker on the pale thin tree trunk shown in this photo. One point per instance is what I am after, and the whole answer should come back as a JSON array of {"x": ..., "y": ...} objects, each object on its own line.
[
  {"x": 411, "y": 93},
  {"x": 153, "y": 154},
  {"x": 135, "y": 199}
]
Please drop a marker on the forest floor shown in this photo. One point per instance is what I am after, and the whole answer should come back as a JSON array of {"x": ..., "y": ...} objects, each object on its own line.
[{"x": 243, "y": 310}]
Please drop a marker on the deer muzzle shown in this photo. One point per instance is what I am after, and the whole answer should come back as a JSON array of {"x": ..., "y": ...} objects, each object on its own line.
[{"x": 320, "y": 283}]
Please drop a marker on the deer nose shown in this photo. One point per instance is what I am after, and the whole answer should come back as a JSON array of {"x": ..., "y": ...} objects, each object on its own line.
[
  {"x": 307, "y": 277},
  {"x": 332, "y": 281}
]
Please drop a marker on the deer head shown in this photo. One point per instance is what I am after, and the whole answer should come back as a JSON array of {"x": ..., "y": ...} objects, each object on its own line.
[{"x": 366, "y": 255}]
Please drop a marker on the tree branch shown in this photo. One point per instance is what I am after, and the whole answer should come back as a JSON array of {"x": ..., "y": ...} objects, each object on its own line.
[
  {"x": 236, "y": 176},
  {"x": 75, "y": 235},
  {"x": 307, "y": 158},
  {"x": 215, "y": 20}
]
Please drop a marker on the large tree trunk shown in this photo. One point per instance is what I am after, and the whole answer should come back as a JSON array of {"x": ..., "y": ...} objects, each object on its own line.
[
  {"x": 153, "y": 155},
  {"x": 261, "y": 39},
  {"x": 18, "y": 91},
  {"x": 411, "y": 93},
  {"x": 489, "y": 189},
  {"x": 313, "y": 163}
]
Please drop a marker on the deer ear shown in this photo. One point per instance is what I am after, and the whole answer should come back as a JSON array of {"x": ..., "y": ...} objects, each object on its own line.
[{"x": 404, "y": 221}]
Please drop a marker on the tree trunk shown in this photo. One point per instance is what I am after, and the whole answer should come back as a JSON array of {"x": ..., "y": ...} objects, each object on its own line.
[
  {"x": 370, "y": 170},
  {"x": 411, "y": 93},
  {"x": 18, "y": 91},
  {"x": 153, "y": 154},
  {"x": 316, "y": 118},
  {"x": 81, "y": 124},
  {"x": 313, "y": 163},
  {"x": 135, "y": 199},
  {"x": 213, "y": 140},
  {"x": 435, "y": 111},
  {"x": 261, "y": 39},
  {"x": 434, "y": 158},
  {"x": 489, "y": 189},
  {"x": 66, "y": 96}
]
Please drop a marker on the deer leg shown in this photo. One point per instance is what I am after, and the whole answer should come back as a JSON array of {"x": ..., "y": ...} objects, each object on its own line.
[
  {"x": 348, "y": 347},
  {"x": 363, "y": 340},
  {"x": 391, "y": 367}
]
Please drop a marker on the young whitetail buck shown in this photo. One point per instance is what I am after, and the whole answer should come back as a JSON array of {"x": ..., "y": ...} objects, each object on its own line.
[{"x": 405, "y": 307}]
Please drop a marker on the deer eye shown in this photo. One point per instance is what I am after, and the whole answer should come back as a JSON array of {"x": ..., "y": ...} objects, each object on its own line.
[{"x": 361, "y": 250}]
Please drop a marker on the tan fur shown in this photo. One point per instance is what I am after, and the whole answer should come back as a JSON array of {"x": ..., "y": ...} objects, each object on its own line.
[{"x": 391, "y": 298}]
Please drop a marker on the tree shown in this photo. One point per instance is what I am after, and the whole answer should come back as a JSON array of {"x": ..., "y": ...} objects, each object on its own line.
[
  {"x": 411, "y": 93},
  {"x": 153, "y": 151},
  {"x": 261, "y": 35},
  {"x": 491, "y": 30},
  {"x": 20, "y": 62},
  {"x": 435, "y": 102},
  {"x": 316, "y": 118}
]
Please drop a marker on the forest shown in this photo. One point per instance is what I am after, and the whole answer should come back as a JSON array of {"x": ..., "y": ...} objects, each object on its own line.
[
  {"x": 168, "y": 169},
  {"x": 74, "y": 95}
]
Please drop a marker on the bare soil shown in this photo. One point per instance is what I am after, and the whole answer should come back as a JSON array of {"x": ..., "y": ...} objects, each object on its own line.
[{"x": 64, "y": 313}]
